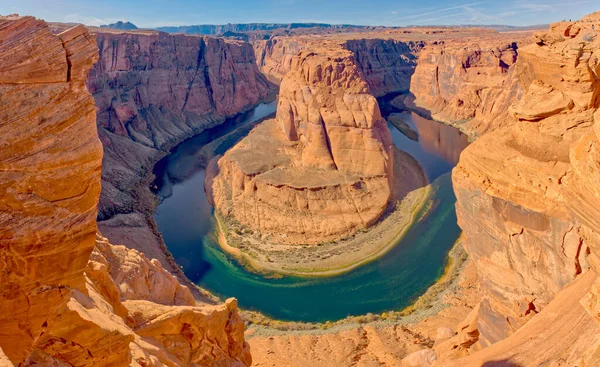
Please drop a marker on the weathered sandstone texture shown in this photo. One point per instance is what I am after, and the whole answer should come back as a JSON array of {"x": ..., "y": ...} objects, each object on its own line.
[
  {"x": 528, "y": 205},
  {"x": 274, "y": 56},
  {"x": 153, "y": 90},
  {"x": 468, "y": 84},
  {"x": 323, "y": 168},
  {"x": 49, "y": 175},
  {"x": 386, "y": 64},
  {"x": 67, "y": 296}
]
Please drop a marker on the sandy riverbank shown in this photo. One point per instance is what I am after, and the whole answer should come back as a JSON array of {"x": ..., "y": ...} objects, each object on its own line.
[
  {"x": 368, "y": 338},
  {"x": 411, "y": 195},
  {"x": 439, "y": 300}
]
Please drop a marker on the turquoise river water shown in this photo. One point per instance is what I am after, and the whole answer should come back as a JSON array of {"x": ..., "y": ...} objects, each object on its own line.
[{"x": 391, "y": 282}]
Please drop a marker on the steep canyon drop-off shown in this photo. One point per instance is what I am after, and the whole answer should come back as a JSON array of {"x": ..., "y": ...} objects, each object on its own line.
[
  {"x": 68, "y": 296},
  {"x": 527, "y": 189},
  {"x": 153, "y": 90},
  {"x": 322, "y": 168}
]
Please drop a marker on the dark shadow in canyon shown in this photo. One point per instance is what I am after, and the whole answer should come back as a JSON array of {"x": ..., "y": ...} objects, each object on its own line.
[
  {"x": 438, "y": 146},
  {"x": 193, "y": 155},
  {"x": 407, "y": 101}
]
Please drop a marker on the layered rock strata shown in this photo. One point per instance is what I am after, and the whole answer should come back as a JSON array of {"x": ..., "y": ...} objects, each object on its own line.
[
  {"x": 467, "y": 84},
  {"x": 386, "y": 64},
  {"x": 323, "y": 168},
  {"x": 153, "y": 90},
  {"x": 526, "y": 202},
  {"x": 49, "y": 175},
  {"x": 67, "y": 296}
]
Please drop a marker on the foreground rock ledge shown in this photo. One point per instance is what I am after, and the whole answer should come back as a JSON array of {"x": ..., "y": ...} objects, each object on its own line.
[{"x": 67, "y": 296}]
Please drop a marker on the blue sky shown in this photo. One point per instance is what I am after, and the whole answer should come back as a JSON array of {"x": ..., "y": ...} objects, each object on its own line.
[{"x": 153, "y": 13}]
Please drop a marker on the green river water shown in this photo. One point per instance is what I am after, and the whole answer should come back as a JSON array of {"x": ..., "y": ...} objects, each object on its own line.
[{"x": 391, "y": 282}]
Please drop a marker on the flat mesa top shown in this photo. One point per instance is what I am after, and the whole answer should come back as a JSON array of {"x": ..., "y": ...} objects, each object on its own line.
[{"x": 342, "y": 35}]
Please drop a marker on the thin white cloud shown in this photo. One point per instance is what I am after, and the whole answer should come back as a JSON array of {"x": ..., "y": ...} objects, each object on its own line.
[
  {"x": 76, "y": 18},
  {"x": 426, "y": 14}
]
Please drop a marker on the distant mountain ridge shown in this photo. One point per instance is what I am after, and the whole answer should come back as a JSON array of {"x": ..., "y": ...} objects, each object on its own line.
[
  {"x": 127, "y": 26},
  {"x": 219, "y": 29},
  {"x": 237, "y": 30}
]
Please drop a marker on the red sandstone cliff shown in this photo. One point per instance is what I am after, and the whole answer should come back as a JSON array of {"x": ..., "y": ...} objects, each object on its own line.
[
  {"x": 469, "y": 84},
  {"x": 463, "y": 78},
  {"x": 322, "y": 169},
  {"x": 386, "y": 64},
  {"x": 153, "y": 90},
  {"x": 527, "y": 203},
  {"x": 67, "y": 296}
]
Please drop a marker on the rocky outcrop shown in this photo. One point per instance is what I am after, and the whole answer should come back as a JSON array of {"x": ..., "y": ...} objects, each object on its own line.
[
  {"x": 469, "y": 84},
  {"x": 274, "y": 56},
  {"x": 153, "y": 90},
  {"x": 386, "y": 64},
  {"x": 49, "y": 176},
  {"x": 68, "y": 297},
  {"x": 323, "y": 168},
  {"x": 161, "y": 315},
  {"x": 527, "y": 203}
]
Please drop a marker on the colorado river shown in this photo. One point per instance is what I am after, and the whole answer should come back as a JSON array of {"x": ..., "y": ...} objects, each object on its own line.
[{"x": 391, "y": 282}]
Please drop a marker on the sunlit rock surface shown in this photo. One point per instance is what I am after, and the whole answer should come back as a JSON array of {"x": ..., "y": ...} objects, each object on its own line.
[
  {"x": 469, "y": 84},
  {"x": 67, "y": 296},
  {"x": 526, "y": 205},
  {"x": 322, "y": 169}
]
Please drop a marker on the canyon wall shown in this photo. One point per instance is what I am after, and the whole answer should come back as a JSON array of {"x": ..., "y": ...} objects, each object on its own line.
[
  {"x": 274, "y": 56},
  {"x": 323, "y": 168},
  {"x": 220, "y": 29},
  {"x": 386, "y": 64},
  {"x": 527, "y": 203},
  {"x": 67, "y": 296},
  {"x": 153, "y": 90},
  {"x": 468, "y": 84},
  {"x": 465, "y": 80}
]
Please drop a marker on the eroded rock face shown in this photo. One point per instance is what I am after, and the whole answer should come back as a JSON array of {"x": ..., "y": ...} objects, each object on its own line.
[
  {"x": 160, "y": 315},
  {"x": 274, "y": 56},
  {"x": 153, "y": 90},
  {"x": 386, "y": 64},
  {"x": 322, "y": 169},
  {"x": 527, "y": 203},
  {"x": 470, "y": 85},
  {"x": 49, "y": 176},
  {"x": 60, "y": 303}
]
